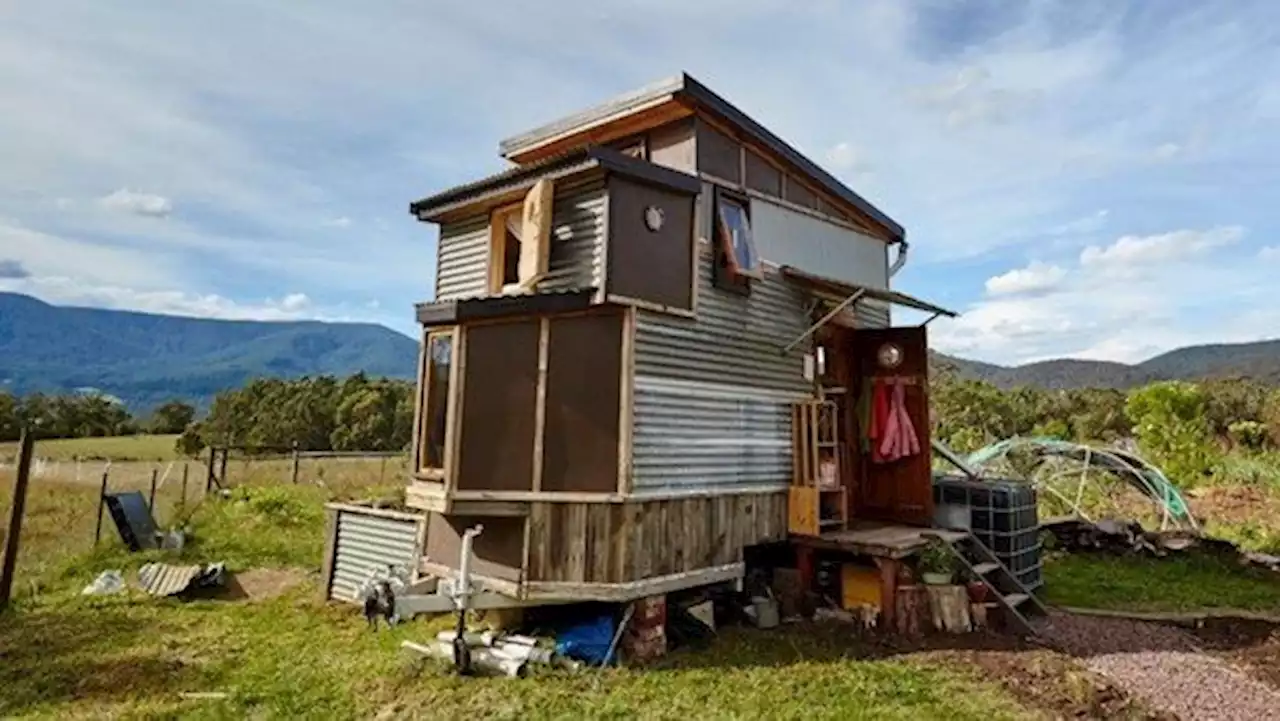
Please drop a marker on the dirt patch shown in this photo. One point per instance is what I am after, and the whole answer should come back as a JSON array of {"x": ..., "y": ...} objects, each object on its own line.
[
  {"x": 1164, "y": 666},
  {"x": 261, "y": 584},
  {"x": 1041, "y": 678},
  {"x": 1231, "y": 504},
  {"x": 1253, "y": 646}
]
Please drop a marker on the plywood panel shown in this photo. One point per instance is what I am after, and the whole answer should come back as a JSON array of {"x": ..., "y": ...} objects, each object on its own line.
[
  {"x": 650, "y": 265},
  {"x": 580, "y": 442},
  {"x": 763, "y": 176},
  {"x": 718, "y": 154},
  {"x": 498, "y": 407},
  {"x": 498, "y": 551},
  {"x": 673, "y": 146}
]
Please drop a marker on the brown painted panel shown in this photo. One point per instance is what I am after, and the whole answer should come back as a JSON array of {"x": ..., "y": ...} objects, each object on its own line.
[
  {"x": 800, "y": 194},
  {"x": 498, "y": 407},
  {"x": 655, "y": 266},
  {"x": 718, "y": 154},
  {"x": 580, "y": 442},
  {"x": 672, "y": 145},
  {"x": 497, "y": 552},
  {"x": 763, "y": 176},
  {"x": 902, "y": 490}
]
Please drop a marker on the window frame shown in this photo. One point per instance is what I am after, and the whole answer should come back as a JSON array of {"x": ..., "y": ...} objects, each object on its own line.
[
  {"x": 724, "y": 240},
  {"x": 425, "y": 466},
  {"x": 498, "y": 247}
]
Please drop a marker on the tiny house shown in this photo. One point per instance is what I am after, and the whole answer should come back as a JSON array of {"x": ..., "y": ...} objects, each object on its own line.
[{"x": 654, "y": 344}]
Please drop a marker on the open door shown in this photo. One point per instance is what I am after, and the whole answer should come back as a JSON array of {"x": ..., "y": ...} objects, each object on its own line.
[{"x": 891, "y": 489}]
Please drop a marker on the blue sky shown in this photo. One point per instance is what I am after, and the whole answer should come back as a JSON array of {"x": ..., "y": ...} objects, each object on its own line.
[{"x": 1080, "y": 178}]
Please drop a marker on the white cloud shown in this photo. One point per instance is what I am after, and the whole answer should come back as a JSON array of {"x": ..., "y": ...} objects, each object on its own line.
[
  {"x": 339, "y": 222},
  {"x": 295, "y": 302},
  {"x": 1270, "y": 252},
  {"x": 146, "y": 204},
  {"x": 1035, "y": 278},
  {"x": 1131, "y": 250},
  {"x": 1167, "y": 151},
  {"x": 847, "y": 157}
]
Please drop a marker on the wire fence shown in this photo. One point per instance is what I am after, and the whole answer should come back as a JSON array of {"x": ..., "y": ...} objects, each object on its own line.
[{"x": 62, "y": 521}]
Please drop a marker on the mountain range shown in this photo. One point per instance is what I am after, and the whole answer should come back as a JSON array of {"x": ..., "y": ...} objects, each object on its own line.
[
  {"x": 1259, "y": 360},
  {"x": 145, "y": 359}
]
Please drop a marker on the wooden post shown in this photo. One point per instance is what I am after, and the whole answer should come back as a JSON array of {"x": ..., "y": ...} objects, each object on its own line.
[
  {"x": 208, "y": 479},
  {"x": 296, "y": 461},
  {"x": 26, "y": 449},
  {"x": 102, "y": 499},
  {"x": 382, "y": 470},
  {"x": 151, "y": 497},
  {"x": 222, "y": 469},
  {"x": 185, "y": 468}
]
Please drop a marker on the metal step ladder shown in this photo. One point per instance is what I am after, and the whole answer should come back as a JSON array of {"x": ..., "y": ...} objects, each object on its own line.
[{"x": 1017, "y": 601}]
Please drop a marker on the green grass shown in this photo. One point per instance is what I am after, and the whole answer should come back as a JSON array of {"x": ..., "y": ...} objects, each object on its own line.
[
  {"x": 1176, "y": 583},
  {"x": 118, "y": 448},
  {"x": 63, "y": 655}
]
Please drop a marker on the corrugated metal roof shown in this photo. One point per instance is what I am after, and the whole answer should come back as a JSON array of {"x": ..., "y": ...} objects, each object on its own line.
[{"x": 570, "y": 163}]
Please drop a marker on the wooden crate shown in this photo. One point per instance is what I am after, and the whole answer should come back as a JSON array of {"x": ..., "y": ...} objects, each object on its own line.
[{"x": 816, "y": 502}]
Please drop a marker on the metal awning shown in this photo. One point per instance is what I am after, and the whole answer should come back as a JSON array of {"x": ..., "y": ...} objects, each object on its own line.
[{"x": 845, "y": 295}]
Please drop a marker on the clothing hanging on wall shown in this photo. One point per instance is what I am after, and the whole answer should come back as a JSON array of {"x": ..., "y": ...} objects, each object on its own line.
[{"x": 887, "y": 431}]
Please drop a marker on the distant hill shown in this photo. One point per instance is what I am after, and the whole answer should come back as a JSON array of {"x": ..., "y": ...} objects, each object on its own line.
[
  {"x": 145, "y": 359},
  {"x": 1260, "y": 360}
]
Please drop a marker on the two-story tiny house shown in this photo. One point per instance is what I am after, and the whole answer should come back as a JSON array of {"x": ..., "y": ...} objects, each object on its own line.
[{"x": 645, "y": 336}]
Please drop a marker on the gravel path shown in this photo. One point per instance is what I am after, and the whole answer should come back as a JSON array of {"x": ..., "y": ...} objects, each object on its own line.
[{"x": 1163, "y": 667}]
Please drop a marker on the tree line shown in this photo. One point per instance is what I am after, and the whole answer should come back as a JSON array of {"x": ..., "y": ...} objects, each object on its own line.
[{"x": 1180, "y": 425}]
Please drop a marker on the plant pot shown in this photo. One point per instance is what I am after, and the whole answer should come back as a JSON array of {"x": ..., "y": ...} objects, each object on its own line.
[{"x": 936, "y": 579}]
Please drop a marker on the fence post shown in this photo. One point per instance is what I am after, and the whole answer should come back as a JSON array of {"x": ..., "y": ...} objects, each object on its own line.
[
  {"x": 222, "y": 469},
  {"x": 296, "y": 460},
  {"x": 151, "y": 498},
  {"x": 26, "y": 449},
  {"x": 185, "y": 468},
  {"x": 102, "y": 500},
  {"x": 208, "y": 479}
]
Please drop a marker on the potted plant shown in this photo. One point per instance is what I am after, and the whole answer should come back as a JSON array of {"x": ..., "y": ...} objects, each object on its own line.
[{"x": 937, "y": 564}]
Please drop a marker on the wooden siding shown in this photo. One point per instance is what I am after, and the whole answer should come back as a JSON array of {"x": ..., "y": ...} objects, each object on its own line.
[
  {"x": 499, "y": 406},
  {"x": 633, "y": 541},
  {"x": 583, "y": 391}
]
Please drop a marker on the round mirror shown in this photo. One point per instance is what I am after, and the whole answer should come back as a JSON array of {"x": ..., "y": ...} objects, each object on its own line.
[{"x": 889, "y": 355}]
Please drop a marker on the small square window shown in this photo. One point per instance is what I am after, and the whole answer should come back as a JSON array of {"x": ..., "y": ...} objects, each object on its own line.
[{"x": 733, "y": 230}]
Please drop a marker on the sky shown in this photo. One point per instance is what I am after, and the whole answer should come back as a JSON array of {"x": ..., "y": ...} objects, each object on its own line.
[{"x": 1079, "y": 178}]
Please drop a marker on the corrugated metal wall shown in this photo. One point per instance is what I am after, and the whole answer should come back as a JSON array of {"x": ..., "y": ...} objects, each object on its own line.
[
  {"x": 366, "y": 543},
  {"x": 712, "y": 396},
  {"x": 577, "y": 242}
]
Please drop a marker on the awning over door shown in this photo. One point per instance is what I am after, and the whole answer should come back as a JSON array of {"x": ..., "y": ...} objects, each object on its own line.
[{"x": 846, "y": 295}]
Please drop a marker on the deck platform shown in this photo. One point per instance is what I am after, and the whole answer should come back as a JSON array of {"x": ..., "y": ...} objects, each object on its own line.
[{"x": 873, "y": 538}]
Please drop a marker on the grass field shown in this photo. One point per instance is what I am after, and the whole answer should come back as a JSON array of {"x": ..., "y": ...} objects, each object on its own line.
[
  {"x": 286, "y": 654},
  {"x": 1177, "y": 583},
  {"x": 277, "y": 651},
  {"x": 122, "y": 448}
]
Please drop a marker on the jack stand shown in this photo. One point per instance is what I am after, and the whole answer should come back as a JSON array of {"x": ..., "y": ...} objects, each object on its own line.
[{"x": 461, "y": 599}]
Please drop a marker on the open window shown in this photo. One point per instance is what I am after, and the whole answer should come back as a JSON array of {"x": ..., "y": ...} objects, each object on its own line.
[
  {"x": 735, "y": 249},
  {"x": 435, "y": 387},
  {"x": 519, "y": 241}
]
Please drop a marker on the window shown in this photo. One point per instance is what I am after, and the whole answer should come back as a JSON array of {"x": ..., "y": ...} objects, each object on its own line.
[
  {"x": 733, "y": 230},
  {"x": 505, "y": 230},
  {"x": 435, "y": 384}
]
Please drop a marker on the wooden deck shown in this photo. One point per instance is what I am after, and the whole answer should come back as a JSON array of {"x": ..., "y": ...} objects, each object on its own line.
[{"x": 883, "y": 540}]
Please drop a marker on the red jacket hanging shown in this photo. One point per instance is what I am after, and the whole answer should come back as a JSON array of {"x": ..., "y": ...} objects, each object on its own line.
[{"x": 894, "y": 435}]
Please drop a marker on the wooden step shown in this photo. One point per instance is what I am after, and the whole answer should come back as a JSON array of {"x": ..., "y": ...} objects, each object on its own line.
[
  {"x": 1016, "y": 599},
  {"x": 983, "y": 569}
]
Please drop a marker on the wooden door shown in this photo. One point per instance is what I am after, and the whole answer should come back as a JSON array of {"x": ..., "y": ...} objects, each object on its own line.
[{"x": 900, "y": 491}]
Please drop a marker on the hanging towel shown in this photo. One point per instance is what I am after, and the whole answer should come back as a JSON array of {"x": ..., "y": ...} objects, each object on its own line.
[{"x": 898, "y": 436}]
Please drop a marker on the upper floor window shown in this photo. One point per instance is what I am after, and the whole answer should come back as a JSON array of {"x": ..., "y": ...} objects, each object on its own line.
[
  {"x": 519, "y": 244},
  {"x": 733, "y": 232}
]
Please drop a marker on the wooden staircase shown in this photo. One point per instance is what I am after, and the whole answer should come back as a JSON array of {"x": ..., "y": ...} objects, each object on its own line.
[{"x": 1015, "y": 599}]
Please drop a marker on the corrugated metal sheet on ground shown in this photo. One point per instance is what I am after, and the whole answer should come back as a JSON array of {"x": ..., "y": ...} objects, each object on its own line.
[
  {"x": 162, "y": 579},
  {"x": 577, "y": 237},
  {"x": 366, "y": 544}
]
